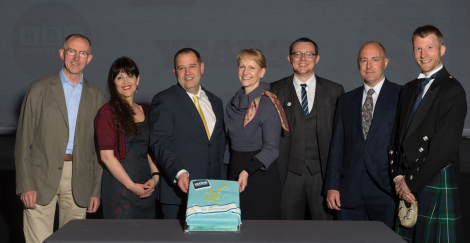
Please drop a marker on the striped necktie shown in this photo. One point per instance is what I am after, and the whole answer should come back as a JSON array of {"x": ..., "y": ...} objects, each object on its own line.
[
  {"x": 304, "y": 99},
  {"x": 198, "y": 107}
]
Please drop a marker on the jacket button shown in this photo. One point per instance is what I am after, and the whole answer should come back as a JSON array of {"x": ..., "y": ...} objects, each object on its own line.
[
  {"x": 391, "y": 162},
  {"x": 421, "y": 150},
  {"x": 392, "y": 170},
  {"x": 411, "y": 177},
  {"x": 425, "y": 138},
  {"x": 60, "y": 168},
  {"x": 424, "y": 159},
  {"x": 417, "y": 169},
  {"x": 210, "y": 163},
  {"x": 390, "y": 152},
  {"x": 417, "y": 160},
  {"x": 210, "y": 145},
  {"x": 63, "y": 145}
]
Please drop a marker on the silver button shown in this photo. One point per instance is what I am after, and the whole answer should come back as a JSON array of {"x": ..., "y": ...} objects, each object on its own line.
[
  {"x": 417, "y": 169},
  {"x": 450, "y": 76},
  {"x": 424, "y": 159},
  {"x": 411, "y": 177},
  {"x": 391, "y": 162},
  {"x": 417, "y": 160},
  {"x": 63, "y": 145},
  {"x": 392, "y": 170},
  {"x": 421, "y": 150},
  {"x": 391, "y": 152},
  {"x": 425, "y": 138}
]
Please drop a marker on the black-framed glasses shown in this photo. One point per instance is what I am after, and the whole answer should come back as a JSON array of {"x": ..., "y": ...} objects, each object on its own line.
[
  {"x": 72, "y": 52},
  {"x": 300, "y": 54}
]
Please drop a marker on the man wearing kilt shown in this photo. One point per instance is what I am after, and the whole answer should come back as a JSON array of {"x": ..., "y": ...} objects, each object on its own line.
[{"x": 423, "y": 154}]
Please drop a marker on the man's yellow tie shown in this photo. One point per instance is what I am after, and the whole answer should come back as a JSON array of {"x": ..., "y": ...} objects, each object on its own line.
[{"x": 198, "y": 107}]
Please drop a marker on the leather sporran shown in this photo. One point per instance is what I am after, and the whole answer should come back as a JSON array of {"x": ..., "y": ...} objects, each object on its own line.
[{"x": 408, "y": 213}]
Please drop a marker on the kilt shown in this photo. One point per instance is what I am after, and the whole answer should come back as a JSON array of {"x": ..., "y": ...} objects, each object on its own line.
[{"x": 439, "y": 215}]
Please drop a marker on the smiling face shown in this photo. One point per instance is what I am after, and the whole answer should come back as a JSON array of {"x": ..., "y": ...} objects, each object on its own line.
[
  {"x": 250, "y": 73},
  {"x": 126, "y": 84},
  {"x": 372, "y": 63},
  {"x": 74, "y": 65},
  {"x": 428, "y": 53},
  {"x": 303, "y": 66},
  {"x": 188, "y": 72}
]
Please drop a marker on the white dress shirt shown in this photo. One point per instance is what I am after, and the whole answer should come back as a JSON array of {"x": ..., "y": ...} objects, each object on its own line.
[
  {"x": 311, "y": 86},
  {"x": 209, "y": 115},
  {"x": 421, "y": 75},
  {"x": 375, "y": 95}
]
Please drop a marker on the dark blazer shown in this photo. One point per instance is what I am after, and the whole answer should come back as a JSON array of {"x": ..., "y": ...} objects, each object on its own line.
[
  {"x": 349, "y": 151},
  {"x": 433, "y": 137},
  {"x": 41, "y": 141},
  {"x": 326, "y": 95},
  {"x": 179, "y": 141}
]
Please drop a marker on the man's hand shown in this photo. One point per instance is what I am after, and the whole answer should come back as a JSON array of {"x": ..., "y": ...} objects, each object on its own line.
[
  {"x": 242, "y": 180},
  {"x": 402, "y": 189},
  {"x": 332, "y": 199},
  {"x": 183, "y": 182},
  {"x": 29, "y": 199},
  {"x": 94, "y": 204}
]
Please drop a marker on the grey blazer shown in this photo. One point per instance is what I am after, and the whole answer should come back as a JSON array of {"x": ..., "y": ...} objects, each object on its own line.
[{"x": 41, "y": 141}]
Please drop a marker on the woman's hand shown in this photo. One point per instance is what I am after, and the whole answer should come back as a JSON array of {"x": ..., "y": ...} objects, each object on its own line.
[
  {"x": 149, "y": 187},
  {"x": 137, "y": 189},
  {"x": 242, "y": 180}
]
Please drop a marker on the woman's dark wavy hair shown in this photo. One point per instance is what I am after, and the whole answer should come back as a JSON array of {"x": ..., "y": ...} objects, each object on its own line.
[{"x": 124, "y": 121}]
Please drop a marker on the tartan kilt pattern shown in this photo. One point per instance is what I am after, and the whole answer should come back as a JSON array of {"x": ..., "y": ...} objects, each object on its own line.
[{"x": 439, "y": 215}]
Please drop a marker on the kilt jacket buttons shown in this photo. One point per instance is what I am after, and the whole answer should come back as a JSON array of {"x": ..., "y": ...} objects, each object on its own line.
[
  {"x": 411, "y": 177},
  {"x": 391, "y": 162},
  {"x": 425, "y": 138},
  {"x": 390, "y": 152},
  {"x": 421, "y": 150}
]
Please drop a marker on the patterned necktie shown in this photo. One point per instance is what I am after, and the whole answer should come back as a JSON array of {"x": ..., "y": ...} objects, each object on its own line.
[
  {"x": 304, "y": 99},
  {"x": 367, "y": 113},
  {"x": 198, "y": 107}
]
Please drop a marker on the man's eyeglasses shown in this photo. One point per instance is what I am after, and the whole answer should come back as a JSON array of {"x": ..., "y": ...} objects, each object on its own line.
[
  {"x": 72, "y": 52},
  {"x": 300, "y": 54}
]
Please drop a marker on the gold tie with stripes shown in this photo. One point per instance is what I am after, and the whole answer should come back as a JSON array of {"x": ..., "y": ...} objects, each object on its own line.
[{"x": 198, "y": 107}]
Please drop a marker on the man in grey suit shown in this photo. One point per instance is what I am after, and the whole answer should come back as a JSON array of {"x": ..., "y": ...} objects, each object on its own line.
[
  {"x": 309, "y": 102},
  {"x": 55, "y": 156}
]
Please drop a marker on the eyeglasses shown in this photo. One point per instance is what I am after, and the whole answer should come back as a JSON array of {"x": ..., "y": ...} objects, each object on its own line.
[
  {"x": 300, "y": 54},
  {"x": 72, "y": 52}
]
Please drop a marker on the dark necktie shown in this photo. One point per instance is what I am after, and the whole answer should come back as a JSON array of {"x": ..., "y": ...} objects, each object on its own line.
[
  {"x": 419, "y": 95},
  {"x": 304, "y": 99},
  {"x": 367, "y": 109}
]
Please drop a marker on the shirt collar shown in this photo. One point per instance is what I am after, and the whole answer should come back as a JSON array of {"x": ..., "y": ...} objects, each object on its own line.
[
  {"x": 65, "y": 80},
  {"x": 310, "y": 83},
  {"x": 376, "y": 88},
  {"x": 421, "y": 75},
  {"x": 199, "y": 93}
]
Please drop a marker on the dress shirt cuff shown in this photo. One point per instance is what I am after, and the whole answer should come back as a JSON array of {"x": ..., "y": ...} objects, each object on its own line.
[
  {"x": 396, "y": 177},
  {"x": 179, "y": 173}
]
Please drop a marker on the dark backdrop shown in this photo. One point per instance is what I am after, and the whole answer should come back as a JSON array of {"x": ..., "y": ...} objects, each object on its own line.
[{"x": 151, "y": 31}]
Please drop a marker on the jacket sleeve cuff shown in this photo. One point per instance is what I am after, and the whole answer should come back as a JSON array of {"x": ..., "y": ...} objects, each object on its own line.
[{"x": 253, "y": 166}]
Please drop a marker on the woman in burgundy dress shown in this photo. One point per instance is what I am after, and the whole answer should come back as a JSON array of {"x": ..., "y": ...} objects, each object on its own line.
[{"x": 130, "y": 176}]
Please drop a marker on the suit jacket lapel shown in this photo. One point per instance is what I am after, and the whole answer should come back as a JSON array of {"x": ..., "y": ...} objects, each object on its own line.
[
  {"x": 425, "y": 105},
  {"x": 187, "y": 103},
  {"x": 58, "y": 92},
  {"x": 289, "y": 94},
  {"x": 408, "y": 101},
  {"x": 85, "y": 99},
  {"x": 320, "y": 102},
  {"x": 380, "y": 108},
  {"x": 356, "y": 112}
]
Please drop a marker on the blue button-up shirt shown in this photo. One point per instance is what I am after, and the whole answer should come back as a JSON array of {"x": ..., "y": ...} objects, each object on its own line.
[{"x": 72, "y": 99}]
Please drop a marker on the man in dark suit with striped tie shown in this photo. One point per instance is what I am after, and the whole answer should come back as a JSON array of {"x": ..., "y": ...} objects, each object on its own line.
[
  {"x": 309, "y": 102},
  {"x": 424, "y": 150}
]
